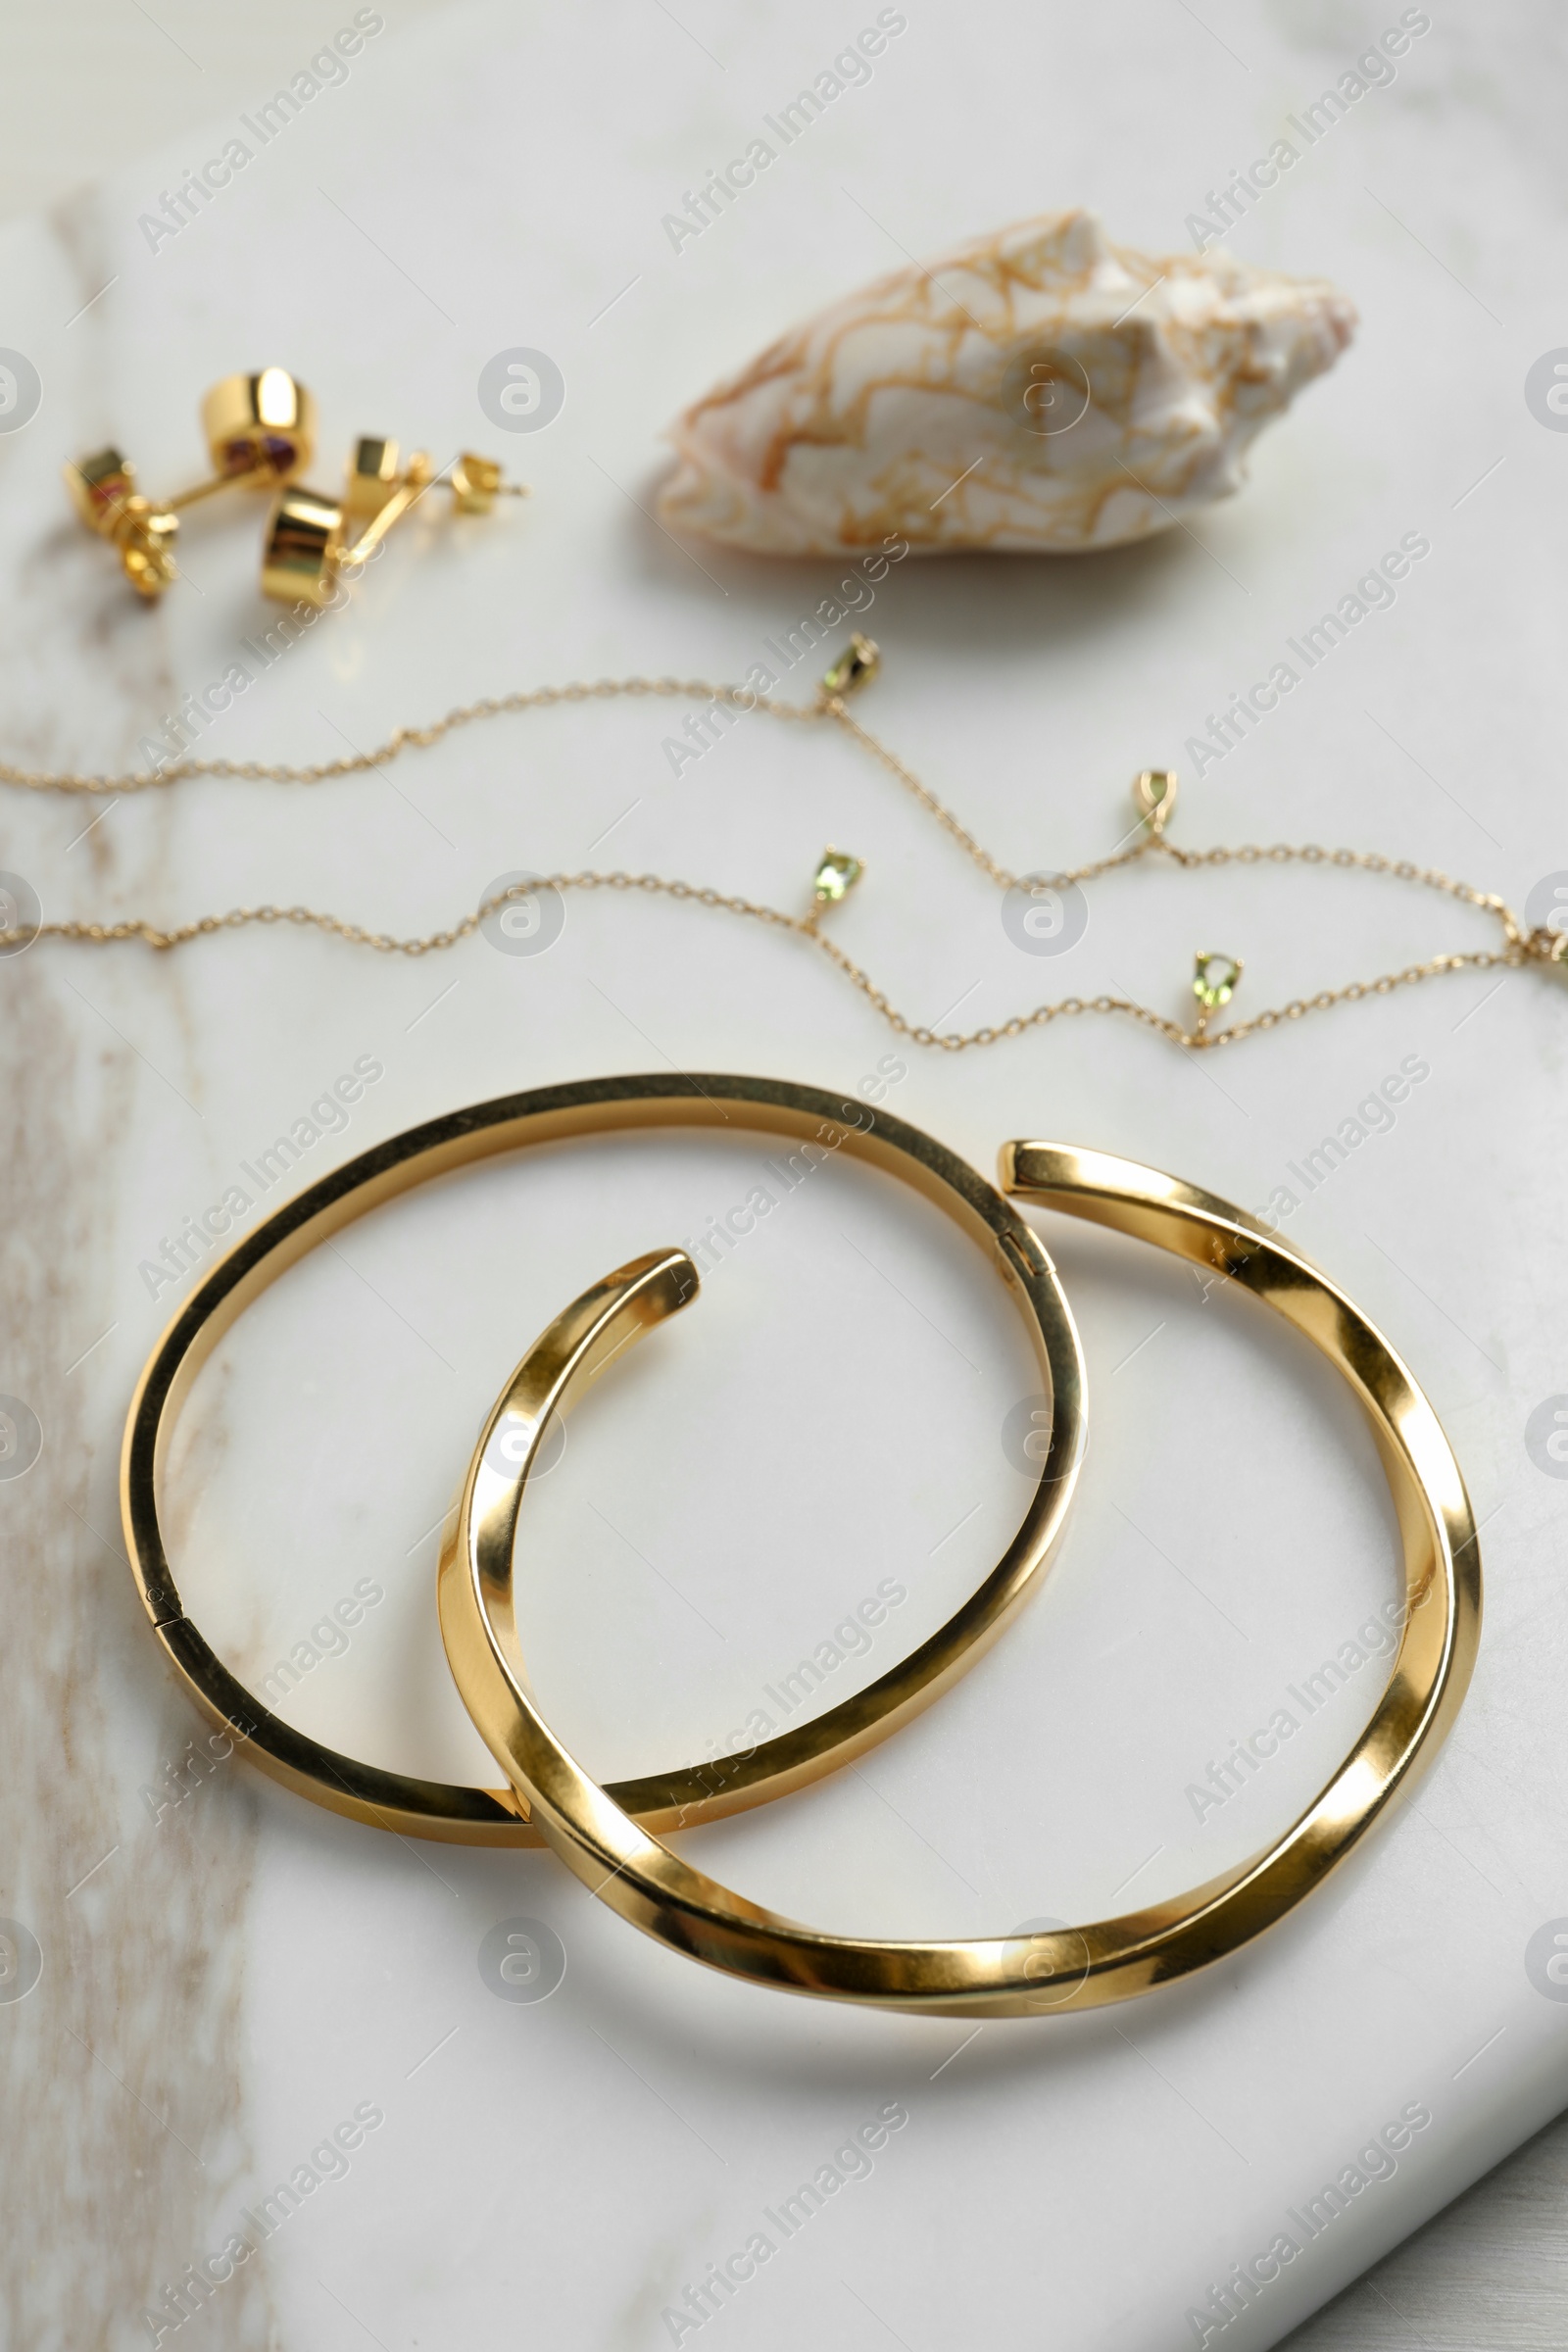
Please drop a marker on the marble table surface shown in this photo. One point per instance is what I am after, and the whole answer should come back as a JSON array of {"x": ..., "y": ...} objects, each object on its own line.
[{"x": 227, "y": 1978}]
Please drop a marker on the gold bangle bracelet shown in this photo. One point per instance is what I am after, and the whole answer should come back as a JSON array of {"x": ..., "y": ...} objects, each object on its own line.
[
  {"x": 1082, "y": 1968},
  {"x": 551, "y": 1115}
]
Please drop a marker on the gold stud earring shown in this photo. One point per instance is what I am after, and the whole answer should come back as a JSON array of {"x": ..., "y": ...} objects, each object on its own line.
[
  {"x": 309, "y": 547},
  {"x": 103, "y": 490},
  {"x": 260, "y": 432}
]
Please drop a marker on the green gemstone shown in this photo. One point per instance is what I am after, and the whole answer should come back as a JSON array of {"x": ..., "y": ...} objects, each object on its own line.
[
  {"x": 855, "y": 667},
  {"x": 1214, "y": 979},
  {"x": 836, "y": 875}
]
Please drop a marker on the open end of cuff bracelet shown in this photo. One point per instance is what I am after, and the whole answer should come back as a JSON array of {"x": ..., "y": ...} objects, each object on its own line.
[
  {"x": 830, "y": 1123},
  {"x": 1056, "y": 1967}
]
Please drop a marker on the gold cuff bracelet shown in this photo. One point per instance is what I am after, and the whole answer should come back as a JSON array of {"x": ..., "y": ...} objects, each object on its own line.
[
  {"x": 1113, "y": 1959},
  {"x": 549, "y": 1115}
]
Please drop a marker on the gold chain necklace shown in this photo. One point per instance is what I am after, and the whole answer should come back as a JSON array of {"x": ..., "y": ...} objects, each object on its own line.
[{"x": 1214, "y": 976}]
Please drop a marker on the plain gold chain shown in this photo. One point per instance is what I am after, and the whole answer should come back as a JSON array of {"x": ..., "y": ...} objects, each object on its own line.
[
  {"x": 402, "y": 739},
  {"x": 1520, "y": 946}
]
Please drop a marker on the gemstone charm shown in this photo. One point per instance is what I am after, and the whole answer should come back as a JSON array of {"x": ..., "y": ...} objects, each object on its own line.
[
  {"x": 855, "y": 667},
  {"x": 1214, "y": 979},
  {"x": 1154, "y": 791},
  {"x": 837, "y": 873}
]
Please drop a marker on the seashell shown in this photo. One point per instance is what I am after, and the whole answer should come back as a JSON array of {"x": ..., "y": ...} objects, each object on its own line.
[{"x": 1041, "y": 388}]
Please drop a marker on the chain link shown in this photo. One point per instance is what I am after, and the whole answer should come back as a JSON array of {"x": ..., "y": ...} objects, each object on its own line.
[
  {"x": 1520, "y": 946},
  {"x": 834, "y": 708},
  {"x": 402, "y": 739}
]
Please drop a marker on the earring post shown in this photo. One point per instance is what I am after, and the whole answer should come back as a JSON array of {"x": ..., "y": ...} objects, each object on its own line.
[
  {"x": 254, "y": 478},
  {"x": 416, "y": 479}
]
